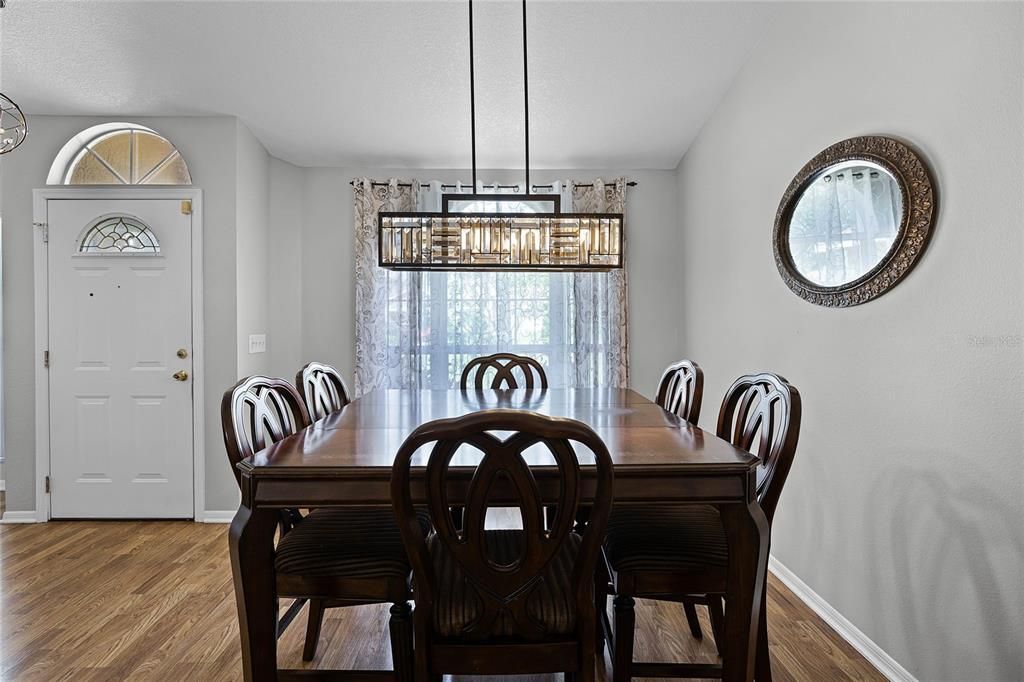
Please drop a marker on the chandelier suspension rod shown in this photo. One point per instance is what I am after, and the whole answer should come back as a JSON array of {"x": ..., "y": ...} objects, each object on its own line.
[
  {"x": 472, "y": 95},
  {"x": 526, "y": 101}
]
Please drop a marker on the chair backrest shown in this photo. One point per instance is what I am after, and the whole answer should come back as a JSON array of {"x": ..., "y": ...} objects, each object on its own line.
[
  {"x": 761, "y": 414},
  {"x": 505, "y": 366},
  {"x": 322, "y": 388},
  {"x": 257, "y": 412},
  {"x": 502, "y": 588},
  {"x": 681, "y": 390}
]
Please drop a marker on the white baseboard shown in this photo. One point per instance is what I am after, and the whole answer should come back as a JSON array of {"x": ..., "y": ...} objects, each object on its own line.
[
  {"x": 218, "y": 516},
  {"x": 19, "y": 517},
  {"x": 875, "y": 655}
]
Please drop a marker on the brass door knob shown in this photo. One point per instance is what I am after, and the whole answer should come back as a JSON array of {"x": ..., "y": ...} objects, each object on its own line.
[
  {"x": 181, "y": 375},
  {"x": 182, "y": 353}
]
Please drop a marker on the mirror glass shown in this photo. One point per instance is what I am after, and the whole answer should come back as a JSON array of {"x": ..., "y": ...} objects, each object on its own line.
[{"x": 845, "y": 223}]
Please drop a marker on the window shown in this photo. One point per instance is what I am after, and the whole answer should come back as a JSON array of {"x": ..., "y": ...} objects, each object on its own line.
[
  {"x": 119, "y": 154},
  {"x": 119, "y": 234},
  {"x": 467, "y": 314},
  {"x": 417, "y": 329}
]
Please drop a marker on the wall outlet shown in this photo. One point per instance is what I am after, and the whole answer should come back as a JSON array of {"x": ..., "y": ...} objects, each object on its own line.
[{"x": 257, "y": 343}]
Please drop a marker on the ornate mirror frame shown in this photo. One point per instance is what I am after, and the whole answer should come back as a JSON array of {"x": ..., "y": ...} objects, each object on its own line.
[{"x": 917, "y": 191}]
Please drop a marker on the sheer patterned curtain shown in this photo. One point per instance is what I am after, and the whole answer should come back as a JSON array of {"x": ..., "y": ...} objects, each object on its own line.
[
  {"x": 601, "y": 344},
  {"x": 389, "y": 315},
  {"x": 418, "y": 329}
]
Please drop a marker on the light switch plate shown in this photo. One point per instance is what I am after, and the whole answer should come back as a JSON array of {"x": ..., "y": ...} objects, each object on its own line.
[{"x": 257, "y": 343}]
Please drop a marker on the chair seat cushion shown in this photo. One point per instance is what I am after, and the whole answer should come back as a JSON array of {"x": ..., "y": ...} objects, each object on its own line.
[
  {"x": 665, "y": 538},
  {"x": 550, "y": 603},
  {"x": 356, "y": 543}
]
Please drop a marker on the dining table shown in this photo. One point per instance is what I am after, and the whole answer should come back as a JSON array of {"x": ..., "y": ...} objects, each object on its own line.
[{"x": 345, "y": 459}]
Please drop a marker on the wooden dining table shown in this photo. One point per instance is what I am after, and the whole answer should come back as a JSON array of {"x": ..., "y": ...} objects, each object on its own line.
[{"x": 345, "y": 460}]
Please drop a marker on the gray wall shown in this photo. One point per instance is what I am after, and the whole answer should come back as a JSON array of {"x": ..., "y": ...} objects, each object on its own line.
[
  {"x": 208, "y": 144},
  {"x": 328, "y": 292},
  {"x": 252, "y": 244},
  {"x": 286, "y": 212},
  {"x": 904, "y": 506}
]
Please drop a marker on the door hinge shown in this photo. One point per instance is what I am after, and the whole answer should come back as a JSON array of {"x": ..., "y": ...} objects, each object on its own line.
[
  {"x": 47, "y": 484},
  {"x": 44, "y": 230},
  {"x": 46, "y": 358},
  {"x": 186, "y": 207}
]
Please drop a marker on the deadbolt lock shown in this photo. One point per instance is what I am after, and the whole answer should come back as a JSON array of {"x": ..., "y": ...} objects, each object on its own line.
[
  {"x": 181, "y": 375},
  {"x": 182, "y": 353}
]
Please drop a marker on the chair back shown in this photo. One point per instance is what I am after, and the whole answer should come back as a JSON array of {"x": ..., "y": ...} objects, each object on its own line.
[
  {"x": 502, "y": 584},
  {"x": 761, "y": 414},
  {"x": 322, "y": 388},
  {"x": 681, "y": 390},
  {"x": 506, "y": 366},
  {"x": 256, "y": 413}
]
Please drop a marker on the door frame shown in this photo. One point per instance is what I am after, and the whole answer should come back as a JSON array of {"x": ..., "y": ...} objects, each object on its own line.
[{"x": 40, "y": 197}]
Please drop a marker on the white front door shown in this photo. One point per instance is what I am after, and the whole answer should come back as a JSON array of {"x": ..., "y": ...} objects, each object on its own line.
[{"x": 120, "y": 354}]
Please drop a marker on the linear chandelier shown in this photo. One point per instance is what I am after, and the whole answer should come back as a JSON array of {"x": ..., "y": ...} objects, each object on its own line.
[{"x": 447, "y": 240}]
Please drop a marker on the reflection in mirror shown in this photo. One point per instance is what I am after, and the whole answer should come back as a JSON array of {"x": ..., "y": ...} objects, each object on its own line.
[{"x": 845, "y": 223}]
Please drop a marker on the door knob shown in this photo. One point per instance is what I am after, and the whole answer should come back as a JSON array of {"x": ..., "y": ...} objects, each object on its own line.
[
  {"x": 181, "y": 375},
  {"x": 182, "y": 353}
]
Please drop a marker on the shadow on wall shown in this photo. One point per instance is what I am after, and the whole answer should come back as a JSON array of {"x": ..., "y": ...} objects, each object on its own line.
[{"x": 953, "y": 541}]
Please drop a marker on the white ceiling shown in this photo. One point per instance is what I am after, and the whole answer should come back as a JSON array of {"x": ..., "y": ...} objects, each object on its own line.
[{"x": 612, "y": 84}]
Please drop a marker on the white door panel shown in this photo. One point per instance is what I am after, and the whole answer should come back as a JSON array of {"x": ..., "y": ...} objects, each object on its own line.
[{"x": 120, "y": 423}]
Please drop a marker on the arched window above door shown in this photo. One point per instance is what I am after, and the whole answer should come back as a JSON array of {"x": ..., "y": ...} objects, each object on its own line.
[{"x": 119, "y": 154}]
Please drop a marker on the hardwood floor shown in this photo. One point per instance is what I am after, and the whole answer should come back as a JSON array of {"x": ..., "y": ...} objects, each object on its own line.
[{"x": 154, "y": 601}]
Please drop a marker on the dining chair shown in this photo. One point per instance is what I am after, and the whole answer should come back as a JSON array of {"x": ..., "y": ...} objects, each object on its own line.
[
  {"x": 680, "y": 392},
  {"x": 681, "y": 389},
  {"x": 505, "y": 366},
  {"x": 322, "y": 388},
  {"x": 680, "y": 553},
  {"x": 503, "y": 601},
  {"x": 328, "y": 557}
]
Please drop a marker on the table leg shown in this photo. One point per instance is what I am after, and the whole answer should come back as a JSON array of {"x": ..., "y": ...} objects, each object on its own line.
[
  {"x": 747, "y": 531},
  {"x": 251, "y": 543}
]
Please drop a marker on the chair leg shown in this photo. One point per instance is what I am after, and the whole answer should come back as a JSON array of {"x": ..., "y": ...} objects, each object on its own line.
[
  {"x": 763, "y": 666},
  {"x": 625, "y": 621},
  {"x": 691, "y": 619},
  {"x": 400, "y": 627},
  {"x": 316, "y": 619},
  {"x": 588, "y": 649},
  {"x": 600, "y": 607},
  {"x": 421, "y": 648},
  {"x": 717, "y": 616}
]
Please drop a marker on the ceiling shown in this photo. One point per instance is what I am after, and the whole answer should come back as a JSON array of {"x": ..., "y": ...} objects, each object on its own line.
[{"x": 386, "y": 84}]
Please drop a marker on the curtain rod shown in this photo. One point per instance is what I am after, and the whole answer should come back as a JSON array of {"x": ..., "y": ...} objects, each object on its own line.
[{"x": 631, "y": 183}]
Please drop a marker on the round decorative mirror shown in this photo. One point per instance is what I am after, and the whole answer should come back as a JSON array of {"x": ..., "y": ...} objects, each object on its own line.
[{"x": 854, "y": 221}]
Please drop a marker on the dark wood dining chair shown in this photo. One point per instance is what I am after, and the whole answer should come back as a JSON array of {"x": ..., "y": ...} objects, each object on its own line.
[
  {"x": 322, "y": 388},
  {"x": 680, "y": 553},
  {"x": 502, "y": 368},
  {"x": 506, "y": 366},
  {"x": 503, "y": 601},
  {"x": 330, "y": 557},
  {"x": 681, "y": 390}
]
